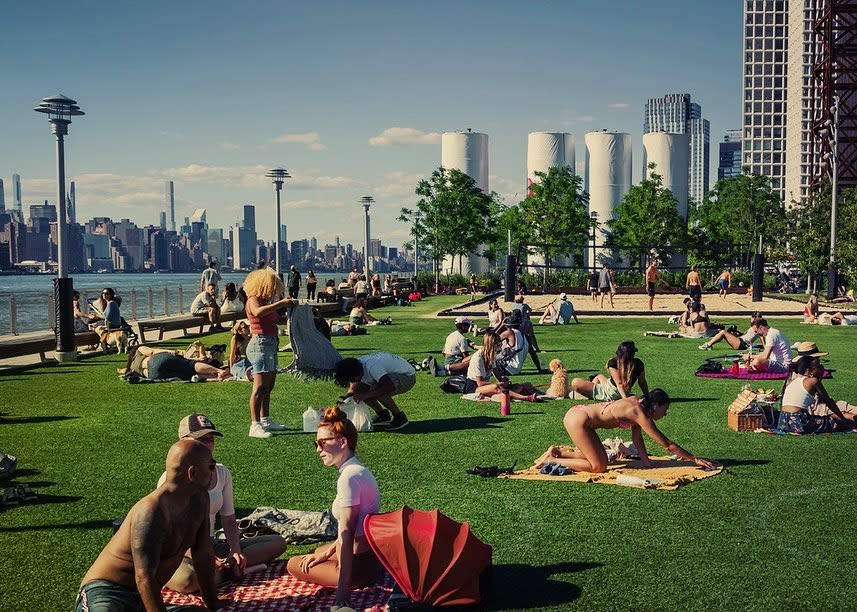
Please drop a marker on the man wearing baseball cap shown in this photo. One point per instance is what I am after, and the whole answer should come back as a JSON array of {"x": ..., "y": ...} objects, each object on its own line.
[
  {"x": 560, "y": 312},
  {"x": 456, "y": 351},
  {"x": 234, "y": 555}
]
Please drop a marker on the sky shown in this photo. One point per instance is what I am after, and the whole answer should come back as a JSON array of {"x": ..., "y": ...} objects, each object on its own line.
[{"x": 350, "y": 97}]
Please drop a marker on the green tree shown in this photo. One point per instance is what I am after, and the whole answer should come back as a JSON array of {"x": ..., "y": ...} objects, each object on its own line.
[
  {"x": 456, "y": 216},
  {"x": 646, "y": 221},
  {"x": 808, "y": 227},
  {"x": 736, "y": 213},
  {"x": 554, "y": 215},
  {"x": 846, "y": 234}
]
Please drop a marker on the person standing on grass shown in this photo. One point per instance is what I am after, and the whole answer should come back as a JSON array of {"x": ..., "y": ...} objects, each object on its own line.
[
  {"x": 375, "y": 379},
  {"x": 653, "y": 276},
  {"x": 210, "y": 276},
  {"x": 264, "y": 299},
  {"x": 348, "y": 563},
  {"x": 635, "y": 413},
  {"x": 152, "y": 540}
]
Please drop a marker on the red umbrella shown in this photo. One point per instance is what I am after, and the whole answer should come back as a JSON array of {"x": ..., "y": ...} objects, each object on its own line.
[{"x": 434, "y": 559}]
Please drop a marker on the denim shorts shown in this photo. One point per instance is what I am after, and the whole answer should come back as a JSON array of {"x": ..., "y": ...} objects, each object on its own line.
[
  {"x": 262, "y": 353},
  {"x": 106, "y": 596}
]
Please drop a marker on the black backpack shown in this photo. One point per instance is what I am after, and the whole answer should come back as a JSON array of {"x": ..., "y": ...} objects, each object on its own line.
[{"x": 459, "y": 384}]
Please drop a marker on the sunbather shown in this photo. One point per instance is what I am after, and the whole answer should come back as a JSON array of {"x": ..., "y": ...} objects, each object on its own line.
[
  {"x": 739, "y": 343},
  {"x": 162, "y": 364},
  {"x": 800, "y": 396},
  {"x": 348, "y": 563},
  {"x": 625, "y": 370},
  {"x": 234, "y": 554},
  {"x": 636, "y": 414},
  {"x": 837, "y": 318}
]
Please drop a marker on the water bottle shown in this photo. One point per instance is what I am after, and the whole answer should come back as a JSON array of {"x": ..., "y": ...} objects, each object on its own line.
[
  {"x": 504, "y": 398},
  {"x": 311, "y": 419},
  {"x": 736, "y": 369}
]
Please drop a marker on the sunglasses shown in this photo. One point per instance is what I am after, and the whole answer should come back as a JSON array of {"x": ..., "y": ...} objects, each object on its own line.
[{"x": 322, "y": 441}]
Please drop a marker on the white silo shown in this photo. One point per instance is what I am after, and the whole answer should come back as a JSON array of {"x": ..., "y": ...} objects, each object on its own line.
[
  {"x": 546, "y": 150},
  {"x": 468, "y": 152},
  {"x": 671, "y": 155},
  {"x": 608, "y": 174}
]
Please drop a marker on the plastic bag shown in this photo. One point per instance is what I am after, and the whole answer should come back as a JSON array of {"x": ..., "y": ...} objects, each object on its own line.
[{"x": 358, "y": 413}]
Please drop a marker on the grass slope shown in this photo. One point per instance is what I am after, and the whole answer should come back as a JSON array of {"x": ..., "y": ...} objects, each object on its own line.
[{"x": 91, "y": 445}]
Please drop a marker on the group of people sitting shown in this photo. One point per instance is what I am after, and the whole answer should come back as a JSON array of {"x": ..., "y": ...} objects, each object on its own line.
[{"x": 811, "y": 314}]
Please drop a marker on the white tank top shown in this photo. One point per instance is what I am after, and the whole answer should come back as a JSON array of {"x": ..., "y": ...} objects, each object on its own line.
[{"x": 796, "y": 395}]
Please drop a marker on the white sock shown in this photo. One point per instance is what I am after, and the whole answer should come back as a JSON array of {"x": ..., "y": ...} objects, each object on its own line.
[
  {"x": 255, "y": 424},
  {"x": 265, "y": 420}
]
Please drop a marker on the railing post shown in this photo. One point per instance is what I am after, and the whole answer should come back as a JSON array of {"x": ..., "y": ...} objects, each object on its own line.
[
  {"x": 181, "y": 299},
  {"x": 13, "y": 315},
  {"x": 133, "y": 304},
  {"x": 151, "y": 302},
  {"x": 166, "y": 302}
]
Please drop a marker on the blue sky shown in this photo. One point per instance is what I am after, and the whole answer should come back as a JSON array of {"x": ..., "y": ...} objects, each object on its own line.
[{"x": 350, "y": 97}]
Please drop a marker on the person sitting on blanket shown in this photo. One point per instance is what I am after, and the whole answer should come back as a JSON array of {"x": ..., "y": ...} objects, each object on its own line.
[
  {"x": 635, "y": 413},
  {"x": 810, "y": 309},
  {"x": 359, "y": 314},
  {"x": 163, "y": 364},
  {"x": 739, "y": 343},
  {"x": 776, "y": 355},
  {"x": 700, "y": 323},
  {"x": 683, "y": 319},
  {"x": 484, "y": 363},
  {"x": 456, "y": 351},
  {"x": 801, "y": 394},
  {"x": 348, "y": 563},
  {"x": 625, "y": 370},
  {"x": 375, "y": 379},
  {"x": 151, "y": 542},
  {"x": 233, "y": 553},
  {"x": 515, "y": 344},
  {"x": 239, "y": 365}
]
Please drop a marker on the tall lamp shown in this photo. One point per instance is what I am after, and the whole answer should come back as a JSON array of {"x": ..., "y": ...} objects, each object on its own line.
[
  {"x": 417, "y": 217},
  {"x": 834, "y": 171},
  {"x": 366, "y": 201},
  {"x": 593, "y": 217},
  {"x": 278, "y": 176},
  {"x": 60, "y": 109}
]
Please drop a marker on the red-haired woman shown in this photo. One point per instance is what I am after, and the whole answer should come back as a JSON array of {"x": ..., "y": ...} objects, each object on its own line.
[{"x": 348, "y": 563}]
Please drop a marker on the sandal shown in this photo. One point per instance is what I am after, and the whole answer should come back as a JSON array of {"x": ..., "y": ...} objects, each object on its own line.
[
  {"x": 8, "y": 465},
  {"x": 25, "y": 493},
  {"x": 10, "y": 497}
]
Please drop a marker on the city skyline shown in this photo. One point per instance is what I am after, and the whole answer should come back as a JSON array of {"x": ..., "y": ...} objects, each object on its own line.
[{"x": 350, "y": 99}]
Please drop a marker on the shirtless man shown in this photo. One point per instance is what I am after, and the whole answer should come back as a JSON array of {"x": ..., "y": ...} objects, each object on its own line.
[
  {"x": 149, "y": 546},
  {"x": 652, "y": 276}
]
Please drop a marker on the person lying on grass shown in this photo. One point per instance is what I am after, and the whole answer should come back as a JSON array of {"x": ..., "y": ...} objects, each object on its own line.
[
  {"x": 483, "y": 364},
  {"x": 739, "y": 343},
  {"x": 800, "y": 396},
  {"x": 635, "y": 413},
  {"x": 348, "y": 563},
  {"x": 162, "y": 364},
  {"x": 625, "y": 370}
]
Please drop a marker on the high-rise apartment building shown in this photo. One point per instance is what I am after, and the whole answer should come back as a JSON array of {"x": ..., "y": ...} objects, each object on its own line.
[
  {"x": 16, "y": 190},
  {"x": 730, "y": 155},
  {"x": 2, "y": 197},
  {"x": 170, "y": 203},
  {"x": 676, "y": 114},
  {"x": 250, "y": 217}
]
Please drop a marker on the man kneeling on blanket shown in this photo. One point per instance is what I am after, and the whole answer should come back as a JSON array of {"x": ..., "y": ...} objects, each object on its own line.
[{"x": 636, "y": 414}]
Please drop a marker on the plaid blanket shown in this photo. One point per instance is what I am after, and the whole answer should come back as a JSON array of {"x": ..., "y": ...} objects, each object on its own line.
[{"x": 274, "y": 589}]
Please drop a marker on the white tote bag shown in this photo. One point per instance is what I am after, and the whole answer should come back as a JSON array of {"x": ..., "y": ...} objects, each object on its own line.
[{"x": 358, "y": 413}]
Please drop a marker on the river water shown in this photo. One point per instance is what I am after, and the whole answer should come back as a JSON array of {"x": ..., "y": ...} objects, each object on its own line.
[{"x": 33, "y": 295}]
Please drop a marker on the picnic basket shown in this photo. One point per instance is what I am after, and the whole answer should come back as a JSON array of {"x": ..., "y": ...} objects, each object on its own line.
[{"x": 743, "y": 414}]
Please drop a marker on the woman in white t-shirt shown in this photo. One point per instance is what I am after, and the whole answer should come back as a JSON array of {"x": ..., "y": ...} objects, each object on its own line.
[
  {"x": 233, "y": 554},
  {"x": 348, "y": 563},
  {"x": 481, "y": 369}
]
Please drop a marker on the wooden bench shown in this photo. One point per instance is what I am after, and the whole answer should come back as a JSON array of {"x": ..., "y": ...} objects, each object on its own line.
[
  {"x": 182, "y": 322},
  {"x": 39, "y": 344}
]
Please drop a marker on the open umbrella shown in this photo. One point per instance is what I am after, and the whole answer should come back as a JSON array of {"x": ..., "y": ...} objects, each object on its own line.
[{"x": 433, "y": 558}]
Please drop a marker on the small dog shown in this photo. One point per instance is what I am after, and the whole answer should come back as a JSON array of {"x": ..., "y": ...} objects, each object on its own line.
[
  {"x": 559, "y": 379},
  {"x": 114, "y": 337}
]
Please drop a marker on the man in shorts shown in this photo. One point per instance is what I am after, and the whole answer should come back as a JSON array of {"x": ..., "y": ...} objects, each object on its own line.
[
  {"x": 147, "y": 549},
  {"x": 653, "y": 276},
  {"x": 456, "y": 351},
  {"x": 375, "y": 379},
  {"x": 605, "y": 284},
  {"x": 205, "y": 305},
  {"x": 777, "y": 354}
]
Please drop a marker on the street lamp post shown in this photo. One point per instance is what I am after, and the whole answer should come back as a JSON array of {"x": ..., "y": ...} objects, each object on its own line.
[
  {"x": 278, "y": 177},
  {"x": 834, "y": 170},
  {"x": 416, "y": 244},
  {"x": 593, "y": 216},
  {"x": 60, "y": 110},
  {"x": 366, "y": 201}
]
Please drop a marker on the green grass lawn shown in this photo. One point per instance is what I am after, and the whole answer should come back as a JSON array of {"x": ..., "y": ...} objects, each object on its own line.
[{"x": 772, "y": 532}]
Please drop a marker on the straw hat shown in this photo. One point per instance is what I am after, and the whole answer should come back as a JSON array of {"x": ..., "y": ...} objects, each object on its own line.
[{"x": 808, "y": 349}]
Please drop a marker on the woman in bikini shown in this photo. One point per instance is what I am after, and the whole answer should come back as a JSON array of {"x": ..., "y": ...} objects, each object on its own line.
[{"x": 636, "y": 414}]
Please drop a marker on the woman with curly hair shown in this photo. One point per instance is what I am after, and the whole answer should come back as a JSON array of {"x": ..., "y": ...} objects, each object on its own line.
[
  {"x": 265, "y": 292},
  {"x": 348, "y": 563},
  {"x": 483, "y": 365},
  {"x": 625, "y": 371}
]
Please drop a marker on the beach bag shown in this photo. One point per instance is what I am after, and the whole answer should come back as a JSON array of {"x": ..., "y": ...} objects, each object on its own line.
[
  {"x": 358, "y": 413},
  {"x": 458, "y": 383},
  {"x": 710, "y": 367},
  {"x": 295, "y": 526}
]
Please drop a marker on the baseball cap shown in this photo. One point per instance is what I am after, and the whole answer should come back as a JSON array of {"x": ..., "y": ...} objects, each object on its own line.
[
  {"x": 563, "y": 296},
  {"x": 462, "y": 321},
  {"x": 196, "y": 426}
]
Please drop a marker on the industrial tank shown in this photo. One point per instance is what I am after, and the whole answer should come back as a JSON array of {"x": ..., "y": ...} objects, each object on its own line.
[
  {"x": 546, "y": 150},
  {"x": 608, "y": 177},
  {"x": 671, "y": 155}
]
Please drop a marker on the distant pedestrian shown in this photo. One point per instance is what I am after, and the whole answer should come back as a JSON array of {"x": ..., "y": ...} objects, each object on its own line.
[
  {"x": 653, "y": 276},
  {"x": 724, "y": 281},
  {"x": 474, "y": 284},
  {"x": 210, "y": 276},
  {"x": 311, "y": 283},
  {"x": 605, "y": 284},
  {"x": 592, "y": 285},
  {"x": 693, "y": 284},
  {"x": 294, "y": 282}
]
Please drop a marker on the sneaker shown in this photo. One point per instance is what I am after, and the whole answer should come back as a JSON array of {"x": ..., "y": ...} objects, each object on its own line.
[
  {"x": 433, "y": 367},
  {"x": 383, "y": 417},
  {"x": 195, "y": 378},
  {"x": 705, "y": 347},
  {"x": 269, "y": 425},
  {"x": 399, "y": 421},
  {"x": 257, "y": 431}
]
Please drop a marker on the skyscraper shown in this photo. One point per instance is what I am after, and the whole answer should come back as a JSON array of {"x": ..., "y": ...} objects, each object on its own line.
[
  {"x": 250, "y": 217},
  {"x": 2, "y": 197},
  {"x": 675, "y": 113},
  {"x": 16, "y": 190},
  {"x": 730, "y": 155},
  {"x": 71, "y": 205},
  {"x": 170, "y": 203}
]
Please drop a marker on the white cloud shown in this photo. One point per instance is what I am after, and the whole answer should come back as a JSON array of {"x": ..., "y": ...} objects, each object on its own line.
[
  {"x": 510, "y": 191},
  {"x": 571, "y": 116},
  {"x": 311, "y": 139},
  {"x": 399, "y": 185},
  {"x": 254, "y": 177},
  {"x": 397, "y": 136},
  {"x": 229, "y": 146},
  {"x": 618, "y": 105}
]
